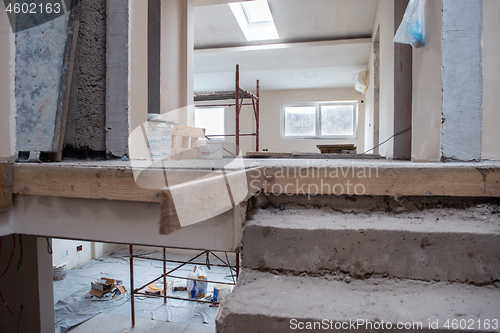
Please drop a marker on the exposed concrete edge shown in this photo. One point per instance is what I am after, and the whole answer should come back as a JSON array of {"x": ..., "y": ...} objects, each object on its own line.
[{"x": 117, "y": 77}]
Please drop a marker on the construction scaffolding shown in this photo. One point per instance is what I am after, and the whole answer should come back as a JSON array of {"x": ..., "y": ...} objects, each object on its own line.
[{"x": 239, "y": 95}]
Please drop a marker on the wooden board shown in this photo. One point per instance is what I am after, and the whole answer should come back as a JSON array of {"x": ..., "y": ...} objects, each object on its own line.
[
  {"x": 80, "y": 182},
  {"x": 5, "y": 187},
  {"x": 397, "y": 181}
]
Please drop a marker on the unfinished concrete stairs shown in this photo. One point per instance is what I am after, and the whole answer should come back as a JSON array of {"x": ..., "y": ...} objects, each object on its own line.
[{"x": 315, "y": 269}]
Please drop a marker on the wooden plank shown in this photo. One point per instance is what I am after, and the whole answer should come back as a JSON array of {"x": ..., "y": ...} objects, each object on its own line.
[
  {"x": 396, "y": 181},
  {"x": 5, "y": 187},
  {"x": 80, "y": 182},
  {"x": 67, "y": 89},
  {"x": 188, "y": 131}
]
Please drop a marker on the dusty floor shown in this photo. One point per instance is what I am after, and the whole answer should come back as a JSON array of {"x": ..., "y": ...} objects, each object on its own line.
[{"x": 73, "y": 304}]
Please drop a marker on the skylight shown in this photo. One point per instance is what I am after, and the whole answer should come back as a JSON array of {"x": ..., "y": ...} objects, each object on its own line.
[
  {"x": 255, "y": 20},
  {"x": 257, "y": 11}
]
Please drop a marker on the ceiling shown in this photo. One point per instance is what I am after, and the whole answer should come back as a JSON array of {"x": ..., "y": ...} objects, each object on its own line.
[{"x": 322, "y": 44}]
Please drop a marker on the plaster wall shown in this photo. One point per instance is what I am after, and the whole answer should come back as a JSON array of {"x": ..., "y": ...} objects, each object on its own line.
[
  {"x": 385, "y": 18},
  {"x": 121, "y": 222},
  {"x": 177, "y": 60},
  {"x": 90, "y": 250},
  {"x": 270, "y": 118},
  {"x": 138, "y": 70},
  {"x": 30, "y": 287},
  {"x": 491, "y": 68},
  {"x": 427, "y": 97}
]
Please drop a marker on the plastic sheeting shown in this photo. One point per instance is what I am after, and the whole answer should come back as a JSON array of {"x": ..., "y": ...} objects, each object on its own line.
[{"x": 74, "y": 305}]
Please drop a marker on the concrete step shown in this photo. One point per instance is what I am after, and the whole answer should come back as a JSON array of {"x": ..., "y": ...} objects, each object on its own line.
[
  {"x": 434, "y": 245},
  {"x": 264, "y": 302}
]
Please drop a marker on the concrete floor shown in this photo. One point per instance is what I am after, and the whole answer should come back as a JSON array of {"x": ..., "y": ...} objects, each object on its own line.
[
  {"x": 115, "y": 323},
  {"x": 73, "y": 304}
]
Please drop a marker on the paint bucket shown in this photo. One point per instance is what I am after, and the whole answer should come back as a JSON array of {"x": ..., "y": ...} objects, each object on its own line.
[
  {"x": 220, "y": 292},
  {"x": 210, "y": 149},
  {"x": 159, "y": 137},
  {"x": 59, "y": 272}
]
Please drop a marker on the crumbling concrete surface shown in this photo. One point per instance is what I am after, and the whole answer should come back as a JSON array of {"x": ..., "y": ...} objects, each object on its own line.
[
  {"x": 263, "y": 302},
  {"x": 439, "y": 244},
  {"x": 85, "y": 129}
]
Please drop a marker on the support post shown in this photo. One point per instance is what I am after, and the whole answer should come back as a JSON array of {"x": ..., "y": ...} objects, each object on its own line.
[
  {"x": 164, "y": 275},
  {"x": 238, "y": 106},
  {"x": 257, "y": 118},
  {"x": 132, "y": 305}
]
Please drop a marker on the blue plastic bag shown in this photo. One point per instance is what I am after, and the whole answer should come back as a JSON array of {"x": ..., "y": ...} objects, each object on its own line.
[{"x": 412, "y": 28}]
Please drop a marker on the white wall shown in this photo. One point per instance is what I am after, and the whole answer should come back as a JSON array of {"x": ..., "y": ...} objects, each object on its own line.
[
  {"x": 90, "y": 250},
  {"x": 270, "y": 118},
  {"x": 427, "y": 90},
  {"x": 491, "y": 70},
  {"x": 385, "y": 17}
]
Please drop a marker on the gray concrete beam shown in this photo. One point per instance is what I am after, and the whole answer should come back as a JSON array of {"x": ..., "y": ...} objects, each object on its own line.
[{"x": 462, "y": 75}]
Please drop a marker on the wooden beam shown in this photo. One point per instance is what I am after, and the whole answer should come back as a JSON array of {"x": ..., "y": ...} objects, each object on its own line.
[
  {"x": 412, "y": 180},
  {"x": 80, "y": 182},
  {"x": 5, "y": 187}
]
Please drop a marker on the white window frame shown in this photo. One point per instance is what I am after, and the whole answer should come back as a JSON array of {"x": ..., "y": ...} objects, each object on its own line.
[{"x": 318, "y": 135}]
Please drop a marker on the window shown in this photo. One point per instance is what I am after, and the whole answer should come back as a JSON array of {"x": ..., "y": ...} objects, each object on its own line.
[
  {"x": 211, "y": 119},
  {"x": 320, "y": 120},
  {"x": 255, "y": 19}
]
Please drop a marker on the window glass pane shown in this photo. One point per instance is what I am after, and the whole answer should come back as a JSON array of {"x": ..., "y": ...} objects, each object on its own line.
[
  {"x": 337, "y": 120},
  {"x": 300, "y": 121},
  {"x": 211, "y": 119}
]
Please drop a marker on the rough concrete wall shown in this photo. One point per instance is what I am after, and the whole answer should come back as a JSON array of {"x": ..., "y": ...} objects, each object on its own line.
[
  {"x": 85, "y": 130},
  {"x": 491, "y": 70},
  {"x": 39, "y": 61},
  {"x": 427, "y": 99},
  {"x": 462, "y": 56},
  {"x": 117, "y": 78}
]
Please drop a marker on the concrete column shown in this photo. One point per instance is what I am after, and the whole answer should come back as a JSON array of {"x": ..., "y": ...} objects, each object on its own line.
[
  {"x": 27, "y": 291},
  {"x": 117, "y": 81},
  {"x": 8, "y": 113},
  {"x": 177, "y": 60},
  {"x": 462, "y": 77}
]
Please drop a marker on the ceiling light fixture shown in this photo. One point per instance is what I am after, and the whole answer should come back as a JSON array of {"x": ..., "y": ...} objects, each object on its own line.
[{"x": 255, "y": 20}]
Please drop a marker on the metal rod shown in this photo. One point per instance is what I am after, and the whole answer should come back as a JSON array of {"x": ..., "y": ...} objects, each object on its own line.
[
  {"x": 180, "y": 298},
  {"x": 248, "y": 134},
  {"x": 219, "y": 105},
  {"x": 177, "y": 261},
  {"x": 227, "y": 263},
  {"x": 257, "y": 117},
  {"x": 237, "y": 98},
  {"x": 172, "y": 270},
  {"x": 209, "y": 281},
  {"x": 132, "y": 305},
  {"x": 164, "y": 275},
  {"x": 237, "y": 265}
]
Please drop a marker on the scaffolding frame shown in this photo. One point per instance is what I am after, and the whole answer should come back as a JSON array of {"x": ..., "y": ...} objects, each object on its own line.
[
  {"x": 136, "y": 291},
  {"x": 239, "y": 95}
]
